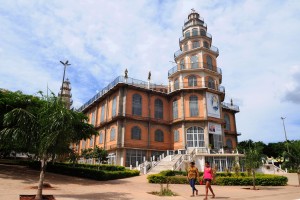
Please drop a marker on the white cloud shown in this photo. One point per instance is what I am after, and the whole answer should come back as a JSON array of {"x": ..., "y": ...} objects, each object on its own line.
[{"x": 258, "y": 42}]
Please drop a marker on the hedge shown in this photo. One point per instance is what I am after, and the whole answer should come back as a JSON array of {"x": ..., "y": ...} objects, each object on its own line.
[
  {"x": 99, "y": 167},
  {"x": 266, "y": 180},
  {"x": 90, "y": 171},
  {"x": 172, "y": 177}
]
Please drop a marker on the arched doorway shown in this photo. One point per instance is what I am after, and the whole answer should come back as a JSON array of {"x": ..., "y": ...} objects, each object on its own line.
[{"x": 195, "y": 137}]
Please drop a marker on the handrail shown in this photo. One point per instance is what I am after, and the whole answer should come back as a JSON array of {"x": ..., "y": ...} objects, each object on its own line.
[
  {"x": 197, "y": 85},
  {"x": 192, "y": 154},
  {"x": 191, "y": 47},
  {"x": 200, "y": 18},
  {"x": 193, "y": 23},
  {"x": 120, "y": 79},
  {"x": 231, "y": 106},
  {"x": 195, "y": 65},
  {"x": 193, "y": 35},
  {"x": 178, "y": 162}
]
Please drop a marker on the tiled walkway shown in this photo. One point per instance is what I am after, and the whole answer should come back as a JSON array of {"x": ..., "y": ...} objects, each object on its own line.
[{"x": 15, "y": 180}]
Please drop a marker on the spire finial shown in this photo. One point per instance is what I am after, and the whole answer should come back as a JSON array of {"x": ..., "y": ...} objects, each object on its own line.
[
  {"x": 193, "y": 10},
  {"x": 149, "y": 75},
  {"x": 126, "y": 73},
  {"x": 231, "y": 101}
]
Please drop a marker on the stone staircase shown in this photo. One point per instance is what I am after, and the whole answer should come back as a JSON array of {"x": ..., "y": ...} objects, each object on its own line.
[{"x": 167, "y": 163}]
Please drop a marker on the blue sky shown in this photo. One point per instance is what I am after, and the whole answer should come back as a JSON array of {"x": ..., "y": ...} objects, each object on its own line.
[{"x": 258, "y": 43}]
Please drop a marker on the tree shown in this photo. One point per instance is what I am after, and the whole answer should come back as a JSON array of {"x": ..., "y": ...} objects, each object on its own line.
[
  {"x": 73, "y": 156},
  {"x": 253, "y": 160},
  {"x": 100, "y": 154},
  {"x": 293, "y": 156},
  {"x": 275, "y": 150},
  {"x": 9, "y": 101},
  {"x": 46, "y": 129}
]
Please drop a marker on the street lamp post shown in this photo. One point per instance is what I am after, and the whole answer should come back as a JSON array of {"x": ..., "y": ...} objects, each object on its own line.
[
  {"x": 283, "y": 118},
  {"x": 65, "y": 64}
]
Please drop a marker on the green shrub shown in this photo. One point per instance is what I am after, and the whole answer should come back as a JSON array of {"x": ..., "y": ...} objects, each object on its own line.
[
  {"x": 264, "y": 180},
  {"x": 221, "y": 179},
  {"x": 158, "y": 178},
  {"x": 90, "y": 166},
  {"x": 87, "y": 171}
]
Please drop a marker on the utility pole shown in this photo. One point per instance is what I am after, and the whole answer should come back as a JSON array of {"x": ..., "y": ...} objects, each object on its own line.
[
  {"x": 65, "y": 64},
  {"x": 283, "y": 118}
]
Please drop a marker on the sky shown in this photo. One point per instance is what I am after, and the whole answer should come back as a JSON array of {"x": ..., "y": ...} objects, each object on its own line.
[{"x": 258, "y": 41}]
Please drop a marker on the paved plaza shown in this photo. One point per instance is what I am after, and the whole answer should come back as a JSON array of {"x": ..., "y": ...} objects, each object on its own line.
[{"x": 15, "y": 180}]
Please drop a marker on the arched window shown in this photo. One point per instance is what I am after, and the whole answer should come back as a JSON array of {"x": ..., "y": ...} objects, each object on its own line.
[
  {"x": 194, "y": 106},
  {"x": 196, "y": 44},
  {"x": 136, "y": 133},
  {"x": 194, "y": 31},
  {"x": 182, "y": 64},
  {"x": 192, "y": 81},
  {"x": 176, "y": 84},
  {"x": 205, "y": 44},
  {"x": 229, "y": 143},
  {"x": 159, "y": 109},
  {"x": 202, "y": 32},
  {"x": 93, "y": 120},
  {"x": 187, "y": 34},
  {"x": 137, "y": 104},
  {"x": 114, "y": 106},
  {"x": 102, "y": 113},
  {"x": 175, "y": 109},
  {"x": 159, "y": 136},
  {"x": 100, "y": 138},
  {"x": 211, "y": 83},
  {"x": 83, "y": 144},
  {"x": 92, "y": 141},
  {"x": 112, "y": 134},
  {"x": 195, "y": 137},
  {"x": 209, "y": 62},
  {"x": 194, "y": 62},
  {"x": 227, "y": 122},
  {"x": 176, "y": 136},
  {"x": 185, "y": 47}
]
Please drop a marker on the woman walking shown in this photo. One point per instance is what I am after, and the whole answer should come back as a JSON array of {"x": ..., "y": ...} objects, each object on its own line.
[
  {"x": 208, "y": 176},
  {"x": 192, "y": 176}
]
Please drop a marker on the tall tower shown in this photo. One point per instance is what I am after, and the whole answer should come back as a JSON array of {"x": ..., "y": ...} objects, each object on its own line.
[
  {"x": 66, "y": 93},
  {"x": 195, "y": 83}
]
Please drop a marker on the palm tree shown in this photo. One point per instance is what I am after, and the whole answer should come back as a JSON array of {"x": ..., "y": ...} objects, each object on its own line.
[
  {"x": 45, "y": 130},
  {"x": 253, "y": 160}
]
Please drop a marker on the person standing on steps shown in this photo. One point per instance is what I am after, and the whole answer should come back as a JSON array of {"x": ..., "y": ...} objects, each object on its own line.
[
  {"x": 192, "y": 176},
  {"x": 208, "y": 176}
]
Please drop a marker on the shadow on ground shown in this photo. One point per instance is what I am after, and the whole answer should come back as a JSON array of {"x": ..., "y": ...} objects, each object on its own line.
[
  {"x": 30, "y": 176},
  {"x": 104, "y": 195}
]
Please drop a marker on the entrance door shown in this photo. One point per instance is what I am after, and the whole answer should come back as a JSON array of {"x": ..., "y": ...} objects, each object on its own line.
[{"x": 195, "y": 137}]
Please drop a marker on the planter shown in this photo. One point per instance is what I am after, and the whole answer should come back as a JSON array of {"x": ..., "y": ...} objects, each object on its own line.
[{"x": 31, "y": 197}]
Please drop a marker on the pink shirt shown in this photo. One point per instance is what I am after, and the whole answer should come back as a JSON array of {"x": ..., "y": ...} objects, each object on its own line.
[{"x": 207, "y": 173}]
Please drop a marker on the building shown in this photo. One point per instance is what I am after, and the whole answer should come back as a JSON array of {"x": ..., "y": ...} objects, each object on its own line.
[
  {"x": 66, "y": 94},
  {"x": 139, "y": 120}
]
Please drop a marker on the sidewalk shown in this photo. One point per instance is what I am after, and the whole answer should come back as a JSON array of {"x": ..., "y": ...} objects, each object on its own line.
[{"x": 15, "y": 180}]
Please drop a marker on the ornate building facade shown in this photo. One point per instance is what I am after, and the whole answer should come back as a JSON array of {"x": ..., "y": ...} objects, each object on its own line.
[{"x": 139, "y": 120}]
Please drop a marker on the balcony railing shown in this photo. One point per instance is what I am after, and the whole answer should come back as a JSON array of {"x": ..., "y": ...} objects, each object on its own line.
[
  {"x": 120, "y": 79},
  {"x": 194, "y": 34},
  {"x": 193, "y": 46},
  {"x": 196, "y": 65},
  {"x": 194, "y": 23},
  {"x": 230, "y": 106},
  {"x": 197, "y": 85},
  {"x": 187, "y": 19}
]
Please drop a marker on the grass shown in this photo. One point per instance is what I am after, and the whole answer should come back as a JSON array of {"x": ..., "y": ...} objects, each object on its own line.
[{"x": 164, "y": 191}]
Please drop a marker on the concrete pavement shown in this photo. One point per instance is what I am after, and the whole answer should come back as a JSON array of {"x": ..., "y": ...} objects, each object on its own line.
[{"x": 15, "y": 180}]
